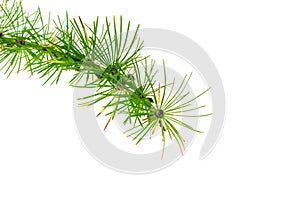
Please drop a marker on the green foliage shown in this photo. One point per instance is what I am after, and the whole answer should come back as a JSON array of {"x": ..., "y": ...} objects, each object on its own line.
[
  {"x": 163, "y": 112},
  {"x": 107, "y": 58}
]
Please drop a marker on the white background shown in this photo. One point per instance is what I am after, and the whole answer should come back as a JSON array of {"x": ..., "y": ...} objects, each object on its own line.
[{"x": 255, "y": 46}]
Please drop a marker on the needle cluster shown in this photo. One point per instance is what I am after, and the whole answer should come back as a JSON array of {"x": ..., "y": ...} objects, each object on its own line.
[{"x": 104, "y": 57}]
